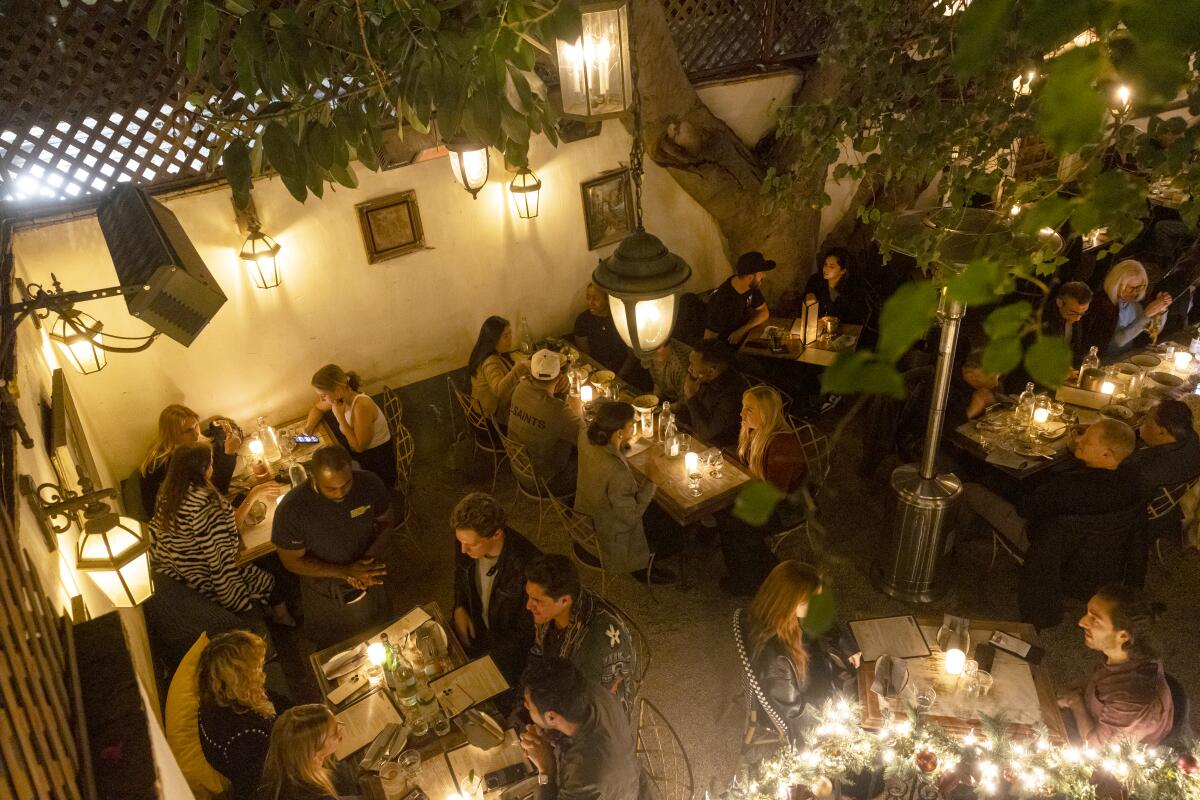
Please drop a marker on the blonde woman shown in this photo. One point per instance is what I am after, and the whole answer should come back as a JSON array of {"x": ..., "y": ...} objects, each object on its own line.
[
  {"x": 792, "y": 668},
  {"x": 1117, "y": 315},
  {"x": 769, "y": 448},
  {"x": 362, "y": 423},
  {"x": 236, "y": 712},
  {"x": 297, "y": 765},
  {"x": 179, "y": 425}
]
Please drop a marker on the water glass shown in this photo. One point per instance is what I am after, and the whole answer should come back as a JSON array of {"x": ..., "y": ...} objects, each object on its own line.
[
  {"x": 716, "y": 464},
  {"x": 685, "y": 443},
  {"x": 410, "y": 762},
  {"x": 924, "y": 697},
  {"x": 393, "y": 779},
  {"x": 984, "y": 682},
  {"x": 441, "y": 725},
  {"x": 418, "y": 724}
]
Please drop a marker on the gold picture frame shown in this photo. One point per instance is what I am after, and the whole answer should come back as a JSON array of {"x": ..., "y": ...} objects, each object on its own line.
[
  {"x": 391, "y": 226},
  {"x": 607, "y": 207}
]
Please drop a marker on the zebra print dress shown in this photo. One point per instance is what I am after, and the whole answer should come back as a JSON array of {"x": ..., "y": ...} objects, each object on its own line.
[{"x": 200, "y": 548}]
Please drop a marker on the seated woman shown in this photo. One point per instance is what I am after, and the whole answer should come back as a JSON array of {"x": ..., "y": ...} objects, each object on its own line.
[
  {"x": 492, "y": 371},
  {"x": 628, "y": 527},
  {"x": 196, "y": 536},
  {"x": 236, "y": 711},
  {"x": 791, "y": 669},
  {"x": 1117, "y": 316},
  {"x": 1126, "y": 697},
  {"x": 179, "y": 425},
  {"x": 771, "y": 451},
  {"x": 359, "y": 419},
  {"x": 297, "y": 767},
  {"x": 836, "y": 291}
]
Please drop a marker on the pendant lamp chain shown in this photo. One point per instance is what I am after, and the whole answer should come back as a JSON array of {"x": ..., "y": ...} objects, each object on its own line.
[{"x": 636, "y": 152}]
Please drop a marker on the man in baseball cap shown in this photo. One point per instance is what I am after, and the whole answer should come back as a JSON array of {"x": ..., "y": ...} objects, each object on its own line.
[
  {"x": 738, "y": 304},
  {"x": 545, "y": 423}
]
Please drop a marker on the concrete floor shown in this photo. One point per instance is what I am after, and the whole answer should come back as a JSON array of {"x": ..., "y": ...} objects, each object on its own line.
[{"x": 694, "y": 678}]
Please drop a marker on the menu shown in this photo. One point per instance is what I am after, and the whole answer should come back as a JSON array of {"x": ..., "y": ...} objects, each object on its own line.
[
  {"x": 899, "y": 637},
  {"x": 364, "y": 720},
  {"x": 470, "y": 684}
]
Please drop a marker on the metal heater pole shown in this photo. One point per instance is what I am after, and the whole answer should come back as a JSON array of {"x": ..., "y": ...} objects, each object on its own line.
[{"x": 924, "y": 499}]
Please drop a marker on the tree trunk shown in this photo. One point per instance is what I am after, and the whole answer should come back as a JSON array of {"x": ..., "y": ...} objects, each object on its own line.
[{"x": 708, "y": 160}]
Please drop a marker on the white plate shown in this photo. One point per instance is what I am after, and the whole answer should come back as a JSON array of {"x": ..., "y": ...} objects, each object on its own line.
[{"x": 344, "y": 663}]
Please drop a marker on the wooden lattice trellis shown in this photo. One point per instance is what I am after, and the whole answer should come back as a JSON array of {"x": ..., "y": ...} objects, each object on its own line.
[{"x": 87, "y": 99}]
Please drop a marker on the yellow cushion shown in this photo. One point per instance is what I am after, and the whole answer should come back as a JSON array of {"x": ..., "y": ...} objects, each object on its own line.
[{"x": 183, "y": 727}]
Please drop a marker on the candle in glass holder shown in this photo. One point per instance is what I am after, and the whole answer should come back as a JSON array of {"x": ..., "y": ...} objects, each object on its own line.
[
  {"x": 585, "y": 393},
  {"x": 1108, "y": 387},
  {"x": 1041, "y": 415},
  {"x": 1183, "y": 360},
  {"x": 691, "y": 463}
]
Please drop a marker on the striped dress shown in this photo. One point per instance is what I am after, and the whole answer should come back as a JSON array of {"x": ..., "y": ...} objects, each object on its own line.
[{"x": 200, "y": 548}]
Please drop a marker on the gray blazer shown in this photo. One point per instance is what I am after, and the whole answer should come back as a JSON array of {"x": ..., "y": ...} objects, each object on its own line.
[{"x": 607, "y": 491}]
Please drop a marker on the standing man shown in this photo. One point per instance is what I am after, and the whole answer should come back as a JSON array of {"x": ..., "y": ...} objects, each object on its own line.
[
  {"x": 546, "y": 423},
  {"x": 580, "y": 741},
  {"x": 712, "y": 393},
  {"x": 574, "y": 624},
  {"x": 738, "y": 304},
  {"x": 489, "y": 585},
  {"x": 329, "y": 532}
]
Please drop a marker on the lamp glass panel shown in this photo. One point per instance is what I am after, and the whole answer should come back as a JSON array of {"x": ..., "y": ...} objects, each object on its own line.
[
  {"x": 113, "y": 544},
  {"x": 653, "y": 318},
  {"x": 264, "y": 271},
  {"x": 594, "y": 69},
  {"x": 525, "y": 196},
  {"x": 119, "y": 562},
  {"x": 470, "y": 167},
  {"x": 79, "y": 349}
]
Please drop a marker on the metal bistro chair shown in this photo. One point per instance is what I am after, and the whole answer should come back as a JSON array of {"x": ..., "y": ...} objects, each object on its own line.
[
  {"x": 403, "y": 449},
  {"x": 661, "y": 754},
  {"x": 1167, "y": 499},
  {"x": 483, "y": 432},
  {"x": 818, "y": 452},
  {"x": 525, "y": 476},
  {"x": 585, "y": 547}
]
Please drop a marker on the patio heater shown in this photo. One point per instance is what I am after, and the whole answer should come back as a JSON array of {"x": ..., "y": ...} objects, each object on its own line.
[{"x": 911, "y": 568}]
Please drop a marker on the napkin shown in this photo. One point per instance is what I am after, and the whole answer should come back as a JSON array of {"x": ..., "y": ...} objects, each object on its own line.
[{"x": 891, "y": 676}]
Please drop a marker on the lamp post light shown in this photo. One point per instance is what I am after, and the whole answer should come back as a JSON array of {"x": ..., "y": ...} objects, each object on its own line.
[
  {"x": 526, "y": 191},
  {"x": 260, "y": 254},
  {"x": 469, "y": 162},
  {"x": 80, "y": 339},
  {"x": 594, "y": 71}
]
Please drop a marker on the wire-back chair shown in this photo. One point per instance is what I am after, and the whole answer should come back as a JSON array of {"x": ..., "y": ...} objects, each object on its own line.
[
  {"x": 525, "y": 476},
  {"x": 483, "y": 431},
  {"x": 585, "y": 545},
  {"x": 1167, "y": 499},
  {"x": 662, "y": 755}
]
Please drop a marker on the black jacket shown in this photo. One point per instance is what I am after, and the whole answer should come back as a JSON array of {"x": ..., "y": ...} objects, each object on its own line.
[
  {"x": 508, "y": 636},
  {"x": 714, "y": 412},
  {"x": 781, "y": 684}
]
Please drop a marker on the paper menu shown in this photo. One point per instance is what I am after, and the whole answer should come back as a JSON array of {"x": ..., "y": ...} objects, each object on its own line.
[
  {"x": 472, "y": 683},
  {"x": 899, "y": 637},
  {"x": 364, "y": 720},
  {"x": 398, "y": 630}
]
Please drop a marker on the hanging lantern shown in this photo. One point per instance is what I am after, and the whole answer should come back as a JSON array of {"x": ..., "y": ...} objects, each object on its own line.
[
  {"x": 643, "y": 279},
  {"x": 469, "y": 162},
  {"x": 594, "y": 70},
  {"x": 80, "y": 339},
  {"x": 115, "y": 554},
  {"x": 260, "y": 252},
  {"x": 526, "y": 190}
]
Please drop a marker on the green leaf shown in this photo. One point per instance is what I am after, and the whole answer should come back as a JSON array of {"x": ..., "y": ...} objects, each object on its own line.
[
  {"x": 236, "y": 162},
  {"x": 345, "y": 176},
  {"x": 981, "y": 29},
  {"x": 154, "y": 19},
  {"x": 861, "y": 372},
  {"x": 249, "y": 38},
  {"x": 431, "y": 18},
  {"x": 982, "y": 283},
  {"x": 1007, "y": 321},
  {"x": 284, "y": 156},
  {"x": 756, "y": 502},
  {"x": 320, "y": 146},
  {"x": 1070, "y": 108},
  {"x": 239, "y": 7},
  {"x": 905, "y": 317},
  {"x": 1002, "y": 355},
  {"x": 1048, "y": 360},
  {"x": 822, "y": 612},
  {"x": 314, "y": 177}
]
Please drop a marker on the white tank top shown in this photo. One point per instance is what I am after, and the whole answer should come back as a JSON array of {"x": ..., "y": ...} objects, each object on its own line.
[{"x": 379, "y": 430}]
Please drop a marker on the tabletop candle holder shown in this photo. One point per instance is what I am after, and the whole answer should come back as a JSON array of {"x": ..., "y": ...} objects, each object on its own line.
[
  {"x": 691, "y": 465},
  {"x": 585, "y": 393}
]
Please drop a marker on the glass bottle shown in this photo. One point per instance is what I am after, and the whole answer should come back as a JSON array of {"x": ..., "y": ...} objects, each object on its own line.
[
  {"x": 1025, "y": 404},
  {"x": 524, "y": 337},
  {"x": 663, "y": 418},
  {"x": 671, "y": 437},
  {"x": 1090, "y": 362},
  {"x": 404, "y": 682},
  {"x": 270, "y": 440}
]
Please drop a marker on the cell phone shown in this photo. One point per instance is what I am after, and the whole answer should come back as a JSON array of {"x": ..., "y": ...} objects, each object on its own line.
[
  {"x": 306, "y": 438},
  {"x": 1017, "y": 647},
  {"x": 985, "y": 654},
  {"x": 503, "y": 777}
]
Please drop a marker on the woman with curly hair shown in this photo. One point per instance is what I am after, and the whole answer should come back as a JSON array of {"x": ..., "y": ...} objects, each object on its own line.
[
  {"x": 236, "y": 712},
  {"x": 297, "y": 766}
]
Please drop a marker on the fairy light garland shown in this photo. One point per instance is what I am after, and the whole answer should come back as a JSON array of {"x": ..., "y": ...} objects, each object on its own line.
[{"x": 988, "y": 760}]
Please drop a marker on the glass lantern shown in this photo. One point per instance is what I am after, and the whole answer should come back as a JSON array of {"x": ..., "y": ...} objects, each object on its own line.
[
  {"x": 260, "y": 253},
  {"x": 80, "y": 339},
  {"x": 115, "y": 554},
  {"x": 643, "y": 280},
  {"x": 469, "y": 163},
  {"x": 594, "y": 70},
  {"x": 526, "y": 190}
]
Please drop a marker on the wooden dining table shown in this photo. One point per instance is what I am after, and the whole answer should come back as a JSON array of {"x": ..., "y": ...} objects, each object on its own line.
[
  {"x": 819, "y": 352},
  {"x": 1022, "y": 691}
]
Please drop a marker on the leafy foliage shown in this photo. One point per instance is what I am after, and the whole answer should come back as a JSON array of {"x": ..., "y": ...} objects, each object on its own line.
[
  {"x": 951, "y": 95},
  {"x": 305, "y": 88}
]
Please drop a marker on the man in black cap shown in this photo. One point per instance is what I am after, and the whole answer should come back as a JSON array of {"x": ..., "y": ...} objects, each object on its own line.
[{"x": 738, "y": 304}]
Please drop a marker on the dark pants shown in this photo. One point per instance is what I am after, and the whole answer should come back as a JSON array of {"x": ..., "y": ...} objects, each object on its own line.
[
  {"x": 663, "y": 534},
  {"x": 748, "y": 559},
  {"x": 334, "y": 611}
]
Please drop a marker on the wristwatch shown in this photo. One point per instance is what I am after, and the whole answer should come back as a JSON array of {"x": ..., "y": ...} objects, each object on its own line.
[{"x": 543, "y": 779}]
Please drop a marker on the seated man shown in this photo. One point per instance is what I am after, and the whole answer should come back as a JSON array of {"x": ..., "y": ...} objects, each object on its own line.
[
  {"x": 1127, "y": 696},
  {"x": 595, "y": 333},
  {"x": 738, "y": 304},
  {"x": 575, "y": 624},
  {"x": 1170, "y": 459},
  {"x": 489, "y": 585},
  {"x": 1071, "y": 302},
  {"x": 328, "y": 531},
  {"x": 712, "y": 406},
  {"x": 543, "y": 420},
  {"x": 668, "y": 368},
  {"x": 580, "y": 742}
]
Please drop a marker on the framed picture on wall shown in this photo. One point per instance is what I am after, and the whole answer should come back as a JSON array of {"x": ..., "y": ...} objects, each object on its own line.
[
  {"x": 391, "y": 226},
  {"x": 608, "y": 207}
]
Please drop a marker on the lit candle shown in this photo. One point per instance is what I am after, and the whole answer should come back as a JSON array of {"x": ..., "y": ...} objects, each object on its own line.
[
  {"x": 1183, "y": 360},
  {"x": 376, "y": 653},
  {"x": 256, "y": 447},
  {"x": 1108, "y": 387},
  {"x": 585, "y": 393},
  {"x": 1041, "y": 415},
  {"x": 955, "y": 660},
  {"x": 691, "y": 463}
]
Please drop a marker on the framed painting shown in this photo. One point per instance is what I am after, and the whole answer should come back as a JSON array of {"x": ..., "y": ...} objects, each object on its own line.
[
  {"x": 608, "y": 207},
  {"x": 391, "y": 226}
]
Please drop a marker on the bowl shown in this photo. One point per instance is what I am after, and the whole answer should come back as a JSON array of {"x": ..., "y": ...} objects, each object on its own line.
[
  {"x": 1118, "y": 411},
  {"x": 1145, "y": 361},
  {"x": 645, "y": 402},
  {"x": 603, "y": 375},
  {"x": 1166, "y": 379}
]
